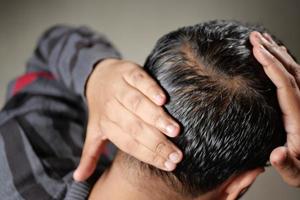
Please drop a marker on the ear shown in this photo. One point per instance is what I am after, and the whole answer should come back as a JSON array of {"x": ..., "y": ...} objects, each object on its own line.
[{"x": 239, "y": 184}]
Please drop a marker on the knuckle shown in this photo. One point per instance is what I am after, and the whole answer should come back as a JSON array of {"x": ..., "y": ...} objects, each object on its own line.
[
  {"x": 135, "y": 128},
  {"x": 152, "y": 87},
  {"x": 292, "y": 81},
  {"x": 283, "y": 48},
  {"x": 157, "y": 160},
  {"x": 271, "y": 60},
  {"x": 137, "y": 75},
  {"x": 159, "y": 148},
  {"x": 274, "y": 47},
  {"x": 134, "y": 100}
]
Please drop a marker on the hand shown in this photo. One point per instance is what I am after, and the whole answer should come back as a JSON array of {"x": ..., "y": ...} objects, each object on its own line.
[
  {"x": 284, "y": 72},
  {"x": 124, "y": 105}
]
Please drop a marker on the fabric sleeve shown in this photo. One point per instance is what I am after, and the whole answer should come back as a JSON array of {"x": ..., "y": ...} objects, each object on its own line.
[{"x": 69, "y": 55}]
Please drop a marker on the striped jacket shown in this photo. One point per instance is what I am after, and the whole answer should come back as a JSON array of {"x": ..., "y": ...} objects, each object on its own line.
[{"x": 43, "y": 122}]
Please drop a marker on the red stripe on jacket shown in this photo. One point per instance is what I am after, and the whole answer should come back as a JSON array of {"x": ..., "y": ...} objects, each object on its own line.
[{"x": 28, "y": 78}]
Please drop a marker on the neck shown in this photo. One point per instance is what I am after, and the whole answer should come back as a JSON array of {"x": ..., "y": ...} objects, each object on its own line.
[
  {"x": 120, "y": 183},
  {"x": 113, "y": 186}
]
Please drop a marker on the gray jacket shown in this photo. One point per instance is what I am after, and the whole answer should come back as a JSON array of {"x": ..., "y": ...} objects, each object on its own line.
[{"x": 43, "y": 123}]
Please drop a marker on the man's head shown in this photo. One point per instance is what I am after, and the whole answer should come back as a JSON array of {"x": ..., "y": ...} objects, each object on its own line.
[{"x": 225, "y": 103}]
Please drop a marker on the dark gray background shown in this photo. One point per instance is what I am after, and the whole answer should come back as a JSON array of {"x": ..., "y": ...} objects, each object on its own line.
[{"x": 134, "y": 26}]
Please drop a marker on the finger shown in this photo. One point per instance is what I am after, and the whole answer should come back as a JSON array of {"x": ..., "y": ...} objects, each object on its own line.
[
  {"x": 269, "y": 38},
  {"x": 134, "y": 148},
  {"x": 146, "y": 135},
  {"x": 287, "y": 89},
  {"x": 279, "y": 52},
  {"x": 154, "y": 115},
  {"x": 140, "y": 80},
  {"x": 92, "y": 149},
  {"x": 274, "y": 68},
  {"x": 286, "y": 166}
]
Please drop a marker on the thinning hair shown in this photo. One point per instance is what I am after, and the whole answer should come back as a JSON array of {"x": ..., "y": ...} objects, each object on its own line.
[{"x": 226, "y": 105}]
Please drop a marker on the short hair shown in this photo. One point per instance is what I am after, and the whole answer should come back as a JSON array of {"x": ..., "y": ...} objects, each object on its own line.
[{"x": 226, "y": 105}]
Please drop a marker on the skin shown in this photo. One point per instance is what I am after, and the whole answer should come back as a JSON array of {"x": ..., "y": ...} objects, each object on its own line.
[
  {"x": 133, "y": 184},
  {"x": 125, "y": 107},
  {"x": 284, "y": 72}
]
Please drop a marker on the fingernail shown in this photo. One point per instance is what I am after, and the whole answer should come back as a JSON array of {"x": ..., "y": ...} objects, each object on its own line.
[
  {"x": 159, "y": 98},
  {"x": 171, "y": 129},
  {"x": 174, "y": 157},
  {"x": 170, "y": 165}
]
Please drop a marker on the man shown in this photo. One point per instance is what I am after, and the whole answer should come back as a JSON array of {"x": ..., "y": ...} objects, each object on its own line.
[
  {"x": 55, "y": 174},
  {"x": 44, "y": 120},
  {"x": 228, "y": 111}
]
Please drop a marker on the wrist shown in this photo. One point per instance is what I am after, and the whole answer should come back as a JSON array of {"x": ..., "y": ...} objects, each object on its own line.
[{"x": 97, "y": 67}]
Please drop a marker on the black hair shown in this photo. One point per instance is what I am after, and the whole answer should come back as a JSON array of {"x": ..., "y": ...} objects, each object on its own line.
[{"x": 222, "y": 98}]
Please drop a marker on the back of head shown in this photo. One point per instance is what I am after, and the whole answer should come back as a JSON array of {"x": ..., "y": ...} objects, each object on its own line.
[{"x": 225, "y": 103}]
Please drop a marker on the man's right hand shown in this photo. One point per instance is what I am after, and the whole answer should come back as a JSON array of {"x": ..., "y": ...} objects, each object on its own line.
[
  {"x": 284, "y": 72},
  {"x": 125, "y": 107}
]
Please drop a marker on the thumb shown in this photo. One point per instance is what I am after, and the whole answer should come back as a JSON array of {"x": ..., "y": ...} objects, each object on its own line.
[
  {"x": 93, "y": 146},
  {"x": 286, "y": 166}
]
